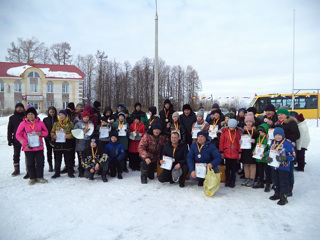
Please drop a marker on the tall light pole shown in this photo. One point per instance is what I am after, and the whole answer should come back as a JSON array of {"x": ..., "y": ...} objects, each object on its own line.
[
  {"x": 156, "y": 86},
  {"x": 292, "y": 107}
]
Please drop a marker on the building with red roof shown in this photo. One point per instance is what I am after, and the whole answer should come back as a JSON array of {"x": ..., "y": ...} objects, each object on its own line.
[{"x": 42, "y": 85}]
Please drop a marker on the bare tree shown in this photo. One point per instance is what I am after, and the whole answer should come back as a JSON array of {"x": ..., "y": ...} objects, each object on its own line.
[{"x": 61, "y": 53}]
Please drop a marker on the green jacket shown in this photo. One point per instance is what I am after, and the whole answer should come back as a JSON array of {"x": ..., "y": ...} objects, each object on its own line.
[{"x": 265, "y": 126}]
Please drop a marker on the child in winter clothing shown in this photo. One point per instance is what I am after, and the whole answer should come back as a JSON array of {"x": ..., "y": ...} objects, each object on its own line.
[
  {"x": 241, "y": 117},
  {"x": 229, "y": 148},
  {"x": 137, "y": 129},
  {"x": 105, "y": 126},
  {"x": 227, "y": 117},
  {"x": 199, "y": 125},
  {"x": 280, "y": 172},
  {"x": 139, "y": 113},
  {"x": 302, "y": 142},
  {"x": 81, "y": 144},
  {"x": 249, "y": 163},
  {"x": 263, "y": 168},
  {"x": 116, "y": 155},
  {"x": 215, "y": 127},
  {"x": 94, "y": 160},
  {"x": 63, "y": 148},
  {"x": 176, "y": 126},
  {"x": 153, "y": 119}
]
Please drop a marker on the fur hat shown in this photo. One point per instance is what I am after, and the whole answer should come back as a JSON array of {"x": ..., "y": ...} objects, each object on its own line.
[{"x": 186, "y": 106}]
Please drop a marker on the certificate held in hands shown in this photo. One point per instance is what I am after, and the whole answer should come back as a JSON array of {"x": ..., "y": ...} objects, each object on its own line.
[
  {"x": 122, "y": 131},
  {"x": 195, "y": 131},
  {"x": 245, "y": 142},
  {"x": 61, "y": 137},
  {"x": 33, "y": 140},
  {"x": 201, "y": 170},
  {"x": 104, "y": 132},
  {"x": 168, "y": 163}
]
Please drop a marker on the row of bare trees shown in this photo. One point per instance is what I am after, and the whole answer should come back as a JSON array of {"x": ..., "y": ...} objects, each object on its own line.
[{"x": 112, "y": 82}]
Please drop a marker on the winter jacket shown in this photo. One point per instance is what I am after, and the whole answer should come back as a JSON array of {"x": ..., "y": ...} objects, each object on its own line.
[
  {"x": 96, "y": 132},
  {"x": 246, "y": 154},
  {"x": 25, "y": 128},
  {"x": 140, "y": 130},
  {"x": 82, "y": 144},
  {"x": 286, "y": 149},
  {"x": 290, "y": 127},
  {"x": 240, "y": 121},
  {"x": 109, "y": 117},
  {"x": 274, "y": 120},
  {"x": 264, "y": 142},
  {"x": 97, "y": 112},
  {"x": 151, "y": 146},
  {"x": 202, "y": 125},
  {"x": 209, "y": 154},
  {"x": 180, "y": 154},
  {"x": 123, "y": 139},
  {"x": 66, "y": 125},
  {"x": 225, "y": 145},
  {"x": 214, "y": 123},
  {"x": 13, "y": 125},
  {"x": 166, "y": 114},
  {"x": 187, "y": 122},
  {"x": 94, "y": 118},
  {"x": 88, "y": 162},
  {"x": 141, "y": 114},
  {"x": 181, "y": 130},
  {"x": 304, "y": 140},
  {"x": 222, "y": 117},
  {"x": 49, "y": 121},
  {"x": 154, "y": 119},
  {"x": 115, "y": 151}
]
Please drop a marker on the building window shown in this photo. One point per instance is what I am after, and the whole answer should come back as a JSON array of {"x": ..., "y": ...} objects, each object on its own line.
[
  {"x": 49, "y": 88},
  {"x": 34, "y": 87},
  {"x": 49, "y": 104},
  {"x": 64, "y": 105},
  {"x": 17, "y": 86},
  {"x": 33, "y": 75},
  {"x": 1, "y": 86},
  {"x": 65, "y": 87}
]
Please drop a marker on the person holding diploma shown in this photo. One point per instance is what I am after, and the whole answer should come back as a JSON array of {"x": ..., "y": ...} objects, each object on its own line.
[
  {"x": 30, "y": 134},
  {"x": 215, "y": 126},
  {"x": 203, "y": 151},
  {"x": 64, "y": 144},
  {"x": 177, "y": 150},
  {"x": 176, "y": 126},
  {"x": 199, "y": 125}
]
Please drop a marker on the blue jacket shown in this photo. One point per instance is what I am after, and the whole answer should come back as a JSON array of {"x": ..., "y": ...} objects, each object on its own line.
[
  {"x": 209, "y": 154},
  {"x": 115, "y": 151},
  {"x": 286, "y": 149}
]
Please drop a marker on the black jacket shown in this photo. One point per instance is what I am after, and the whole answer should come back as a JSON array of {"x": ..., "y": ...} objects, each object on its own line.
[
  {"x": 163, "y": 116},
  {"x": 187, "y": 122},
  {"x": 274, "y": 120},
  {"x": 49, "y": 121},
  {"x": 291, "y": 130},
  {"x": 180, "y": 155},
  {"x": 13, "y": 125},
  {"x": 181, "y": 128}
]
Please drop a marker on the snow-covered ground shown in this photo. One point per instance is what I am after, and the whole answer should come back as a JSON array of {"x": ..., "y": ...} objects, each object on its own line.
[{"x": 125, "y": 209}]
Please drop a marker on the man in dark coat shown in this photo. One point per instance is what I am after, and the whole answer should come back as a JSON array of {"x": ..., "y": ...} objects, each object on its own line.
[
  {"x": 166, "y": 113},
  {"x": 13, "y": 124},
  {"x": 97, "y": 108},
  {"x": 187, "y": 119},
  {"x": 271, "y": 117}
]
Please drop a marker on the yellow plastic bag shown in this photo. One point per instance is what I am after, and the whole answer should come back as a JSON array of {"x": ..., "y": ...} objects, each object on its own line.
[{"x": 212, "y": 182}]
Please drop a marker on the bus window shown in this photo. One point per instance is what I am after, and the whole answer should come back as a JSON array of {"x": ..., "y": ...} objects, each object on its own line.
[
  {"x": 276, "y": 102},
  {"x": 287, "y": 102},
  {"x": 261, "y": 104},
  {"x": 311, "y": 103}
]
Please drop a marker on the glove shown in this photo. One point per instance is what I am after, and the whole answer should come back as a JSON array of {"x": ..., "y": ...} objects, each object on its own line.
[
  {"x": 281, "y": 158},
  {"x": 269, "y": 159},
  {"x": 9, "y": 143},
  {"x": 253, "y": 140}
]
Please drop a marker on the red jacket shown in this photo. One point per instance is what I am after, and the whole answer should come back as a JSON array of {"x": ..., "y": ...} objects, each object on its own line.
[
  {"x": 225, "y": 145},
  {"x": 134, "y": 144}
]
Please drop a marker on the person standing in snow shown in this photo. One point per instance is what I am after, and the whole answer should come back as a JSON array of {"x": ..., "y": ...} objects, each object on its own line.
[
  {"x": 153, "y": 119},
  {"x": 30, "y": 133},
  {"x": 139, "y": 113},
  {"x": 188, "y": 117},
  {"x": 176, "y": 126},
  {"x": 302, "y": 142},
  {"x": 166, "y": 113},
  {"x": 13, "y": 125},
  {"x": 199, "y": 125}
]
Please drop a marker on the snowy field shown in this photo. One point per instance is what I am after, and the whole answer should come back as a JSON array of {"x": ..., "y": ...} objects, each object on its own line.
[{"x": 125, "y": 209}]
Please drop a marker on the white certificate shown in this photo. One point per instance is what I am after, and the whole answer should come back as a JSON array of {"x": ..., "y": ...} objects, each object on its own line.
[
  {"x": 61, "y": 137},
  {"x": 122, "y": 132},
  {"x": 195, "y": 131},
  {"x": 33, "y": 140},
  {"x": 270, "y": 133},
  {"x": 104, "y": 132},
  {"x": 273, "y": 154},
  {"x": 201, "y": 170},
  {"x": 213, "y": 131},
  {"x": 168, "y": 163},
  {"x": 133, "y": 135},
  {"x": 245, "y": 142},
  {"x": 258, "y": 152}
]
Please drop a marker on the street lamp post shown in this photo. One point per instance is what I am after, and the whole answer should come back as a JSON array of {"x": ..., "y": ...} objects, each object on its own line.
[{"x": 156, "y": 91}]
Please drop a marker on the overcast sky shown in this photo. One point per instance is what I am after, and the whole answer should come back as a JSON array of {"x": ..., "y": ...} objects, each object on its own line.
[{"x": 238, "y": 47}]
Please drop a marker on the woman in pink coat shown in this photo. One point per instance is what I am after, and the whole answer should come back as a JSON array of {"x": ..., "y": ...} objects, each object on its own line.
[{"x": 30, "y": 134}]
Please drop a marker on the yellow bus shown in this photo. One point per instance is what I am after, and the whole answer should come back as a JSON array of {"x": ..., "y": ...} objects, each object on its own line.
[{"x": 305, "y": 103}]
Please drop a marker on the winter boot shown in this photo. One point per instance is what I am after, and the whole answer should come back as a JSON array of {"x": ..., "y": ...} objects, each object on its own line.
[
  {"x": 245, "y": 182},
  {"x": 50, "y": 167},
  {"x": 42, "y": 180},
  {"x": 120, "y": 176},
  {"x": 104, "y": 178},
  {"x": 290, "y": 191},
  {"x": 283, "y": 200},
  {"x": 32, "y": 181},
  {"x": 267, "y": 188},
  {"x": 144, "y": 175},
  {"x": 227, "y": 184},
  {"x": 26, "y": 176},
  {"x": 56, "y": 175},
  {"x": 258, "y": 185},
  {"x": 16, "y": 171},
  {"x": 200, "y": 183},
  {"x": 70, "y": 175},
  {"x": 64, "y": 170},
  {"x": 250, "y": 183},
  {"x": 276, "y": 196},
  {"x": 232, "y": 184},
  {"x": 181, "y": 184}
]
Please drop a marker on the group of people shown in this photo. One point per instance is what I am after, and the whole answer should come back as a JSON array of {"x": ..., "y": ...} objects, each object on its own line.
[{"x": 264, "y": 149}]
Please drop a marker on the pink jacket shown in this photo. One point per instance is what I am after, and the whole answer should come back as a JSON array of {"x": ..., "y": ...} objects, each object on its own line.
[{"x": 25, "y": 127}]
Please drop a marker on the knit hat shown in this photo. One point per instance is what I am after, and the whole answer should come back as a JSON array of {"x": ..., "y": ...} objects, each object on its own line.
[
  {"x": 63, "y": 111},
  {"x": 215, "y": 105},
  {"x": 97, "y": 104},
  {"x": 233, "y": 110},
  {"x": 29, "y": 106},
  {"x": 156, "y": 126},
  {"x": 121, "y": 105},
  {"x": 203, "y": 133},
  {"x": 125, "y": 111},
  {"x": 241, "y": 110},
  {"x": 105, "y": 119},
  {"x": 283, "y": 111},
  {"x": 121, "y": 113},
  {"x": 216, "y": 111},
  {"x": 19, "y": 105},
  {"x": 279, "y": 131},
  {"x": 186, "y": 106},
  {"x": 136, "y": 116},
  {"x": 32, "y": 110},
  {"x": 229, "y": 115},
  {"x": 175, "y": 114},
  {"x": 137, "y": 104},
  {"x": 71, "y": 105},
  {"x": 113, "y": 133},
  {"x": 253, "y": 110},
  {"x": 200, "y": 113},
  {"x": 249, "y": 117},
  {"x": 167, "y": 101},
  {"x": 270, "y": 107},
  {"x": 300, "y": 117},
  {"x": 85, "y": 114},
  {"x": 95, "y": 139},
  {"x": 153, "y": 110},
  {"x": 232, "y": 123},
  {"x": 263, "y": 127}
]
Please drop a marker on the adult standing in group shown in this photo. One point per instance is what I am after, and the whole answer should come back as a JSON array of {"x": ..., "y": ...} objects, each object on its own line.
[
  {"x": 139, "y": 113},
  {"x": 302, "y": 142},
  {"x": 150, "y": 149},
  {"x": 30, "y": 133},
  {"x": 215, "y": 107},
  {"x": 270, "y": 116},
  {"x": 187, "y": 118},
  {"x": 292, "y": 133},
  {"x": 153, "y": 119},
  {"x": 97, "y": 108},
  {"x": 49, "y": 121},
  {"x": 166, "y": 113},
  {"x": 13, "y": 125}
]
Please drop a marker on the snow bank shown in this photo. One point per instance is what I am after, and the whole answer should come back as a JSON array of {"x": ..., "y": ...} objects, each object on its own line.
[{"x": 125, "y": 209}]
